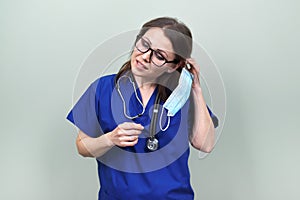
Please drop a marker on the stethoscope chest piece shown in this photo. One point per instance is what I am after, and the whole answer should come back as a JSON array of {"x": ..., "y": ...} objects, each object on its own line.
[{"x": 152, "y": 144}]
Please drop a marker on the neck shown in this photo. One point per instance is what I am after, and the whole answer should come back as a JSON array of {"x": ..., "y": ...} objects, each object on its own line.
[
  {"x": 146, "y": 89},
  {"x": 143, "y": 84}
]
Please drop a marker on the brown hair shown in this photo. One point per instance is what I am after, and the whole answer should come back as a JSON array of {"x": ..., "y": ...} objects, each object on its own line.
[{"x": 181, "y": 38}]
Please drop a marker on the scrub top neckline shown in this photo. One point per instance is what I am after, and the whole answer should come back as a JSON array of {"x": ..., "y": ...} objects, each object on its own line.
[{"x": 151, "y": 99}]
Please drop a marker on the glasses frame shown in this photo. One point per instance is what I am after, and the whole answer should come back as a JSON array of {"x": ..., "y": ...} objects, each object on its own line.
[{"x": 175, "y": 61}]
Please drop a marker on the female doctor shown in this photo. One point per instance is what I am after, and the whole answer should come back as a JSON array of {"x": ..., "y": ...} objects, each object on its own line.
[{"x": 139, "y": 122}]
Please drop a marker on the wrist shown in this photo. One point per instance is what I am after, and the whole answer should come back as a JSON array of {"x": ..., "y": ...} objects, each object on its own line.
[
  {"x": 108, "y": 140},
  {"x": 197, "y": 90}
]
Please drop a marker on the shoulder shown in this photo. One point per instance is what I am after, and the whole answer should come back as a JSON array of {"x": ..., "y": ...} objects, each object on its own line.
[
  {"x": 103, "y": 85},
  {"x": 107, "y": 77},
  {"x": 104, "y": 82}
]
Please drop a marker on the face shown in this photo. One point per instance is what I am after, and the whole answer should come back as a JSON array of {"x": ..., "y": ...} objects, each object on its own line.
[{"x": 147, "y": 68}]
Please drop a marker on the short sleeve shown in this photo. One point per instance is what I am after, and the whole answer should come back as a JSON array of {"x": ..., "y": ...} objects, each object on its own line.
[
  {"x": 84, "y": 114},
  {"x": 214, "y": 118}
]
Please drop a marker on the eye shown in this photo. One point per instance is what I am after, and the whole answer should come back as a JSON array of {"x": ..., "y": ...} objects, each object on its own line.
[
  {"x": 145, "y": 43},
  {"x": 159, "y": 56}
]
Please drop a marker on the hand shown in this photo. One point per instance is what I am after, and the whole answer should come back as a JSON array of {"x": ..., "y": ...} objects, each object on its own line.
[
  {"x": 195, "y": 70},
  {"x": 125, "y": 134}
]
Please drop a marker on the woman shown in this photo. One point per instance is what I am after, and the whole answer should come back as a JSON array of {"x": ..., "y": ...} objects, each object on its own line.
[{"x": 126, "y": 120}]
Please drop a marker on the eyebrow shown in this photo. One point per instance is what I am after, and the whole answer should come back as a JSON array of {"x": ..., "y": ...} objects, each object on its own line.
[
  {"x": 160, "y": 50},
  {"x": 145, "y": 38}
]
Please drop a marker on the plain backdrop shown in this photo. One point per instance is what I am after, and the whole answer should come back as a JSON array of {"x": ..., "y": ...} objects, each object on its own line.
[{"x": 254, "y": 43}]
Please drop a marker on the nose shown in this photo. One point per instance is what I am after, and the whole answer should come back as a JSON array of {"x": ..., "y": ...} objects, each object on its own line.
[{"x": 147, "y": 55}]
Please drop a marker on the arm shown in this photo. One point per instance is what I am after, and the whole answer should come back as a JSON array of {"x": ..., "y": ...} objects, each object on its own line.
[
  {"x": 126, "y": 134},
  {"x": 203, "y": 133},
  {"x": 92, "y": 147}
]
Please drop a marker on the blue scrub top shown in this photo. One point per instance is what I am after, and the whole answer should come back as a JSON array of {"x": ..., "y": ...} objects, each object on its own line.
[{"x": 133, "y": 172}]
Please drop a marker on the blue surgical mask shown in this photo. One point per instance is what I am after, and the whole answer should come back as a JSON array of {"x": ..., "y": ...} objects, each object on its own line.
[{"x": 181, "y": 93}]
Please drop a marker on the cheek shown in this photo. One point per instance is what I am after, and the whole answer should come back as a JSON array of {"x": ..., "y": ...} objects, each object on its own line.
[
  {"x": 135, "y": 53},
  {"x": 133, "y": 56}
]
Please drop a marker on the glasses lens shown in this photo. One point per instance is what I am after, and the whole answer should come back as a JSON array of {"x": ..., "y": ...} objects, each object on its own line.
[
  {"x": 142, "y": 45},
  {"x": 157, "y": 58}
]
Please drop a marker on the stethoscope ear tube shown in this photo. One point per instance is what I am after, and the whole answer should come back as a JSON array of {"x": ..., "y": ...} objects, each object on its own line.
[{"x": 123, "y": 100}]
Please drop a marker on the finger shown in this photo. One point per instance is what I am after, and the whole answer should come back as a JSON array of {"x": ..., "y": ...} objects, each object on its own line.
[
  {"x": 128, "y": 141},
  {"x": 128, "y": 138},
  {"x": 131, "y": 125},
  {"x": 195, "y": 70},
  {"x": 129, "y": 132},
  {"x": 126, "y": 144},
  {"x": 193, "y": 63}
]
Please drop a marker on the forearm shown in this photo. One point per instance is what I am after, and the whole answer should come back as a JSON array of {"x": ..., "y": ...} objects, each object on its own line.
[
  {"x": 203, "y": 132},
  {"x": 93, "y": 147}
]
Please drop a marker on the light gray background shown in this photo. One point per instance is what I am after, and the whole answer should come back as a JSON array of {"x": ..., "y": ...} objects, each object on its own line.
[{"x": 254, "y": 43}]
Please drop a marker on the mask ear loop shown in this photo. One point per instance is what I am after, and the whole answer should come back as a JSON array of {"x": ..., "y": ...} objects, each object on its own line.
[{"x": 160, "y": 124}]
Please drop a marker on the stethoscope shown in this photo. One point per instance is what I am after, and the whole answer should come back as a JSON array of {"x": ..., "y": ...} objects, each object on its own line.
[{"x": 152, "y": 142}]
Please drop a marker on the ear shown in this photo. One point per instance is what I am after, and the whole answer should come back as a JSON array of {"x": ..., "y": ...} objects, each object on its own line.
[{"x": 178, "y": 65}]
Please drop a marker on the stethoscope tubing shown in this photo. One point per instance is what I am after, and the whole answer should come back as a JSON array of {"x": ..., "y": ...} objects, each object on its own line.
[{"x": 155, "y": 110}]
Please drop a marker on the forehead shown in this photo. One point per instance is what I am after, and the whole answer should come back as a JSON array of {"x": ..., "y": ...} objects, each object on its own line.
[{"x": 158, "y": 39}]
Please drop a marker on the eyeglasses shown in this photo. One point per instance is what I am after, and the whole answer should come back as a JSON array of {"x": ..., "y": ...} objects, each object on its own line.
[{"x": 156, "y": 56}]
